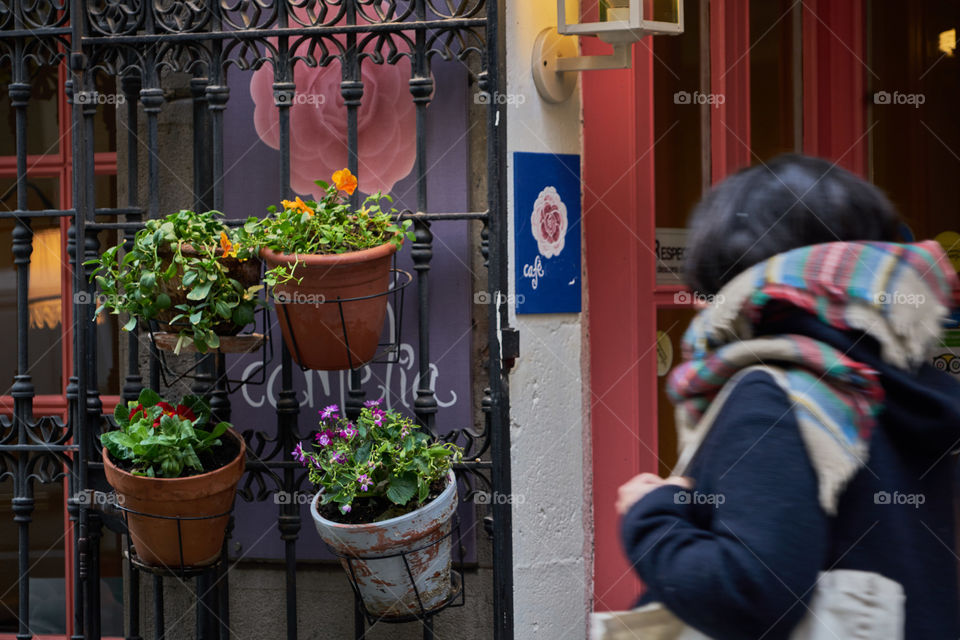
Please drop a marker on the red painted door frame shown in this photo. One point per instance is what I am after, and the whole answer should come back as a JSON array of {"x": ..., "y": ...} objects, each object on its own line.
[
  {"x": 618, "y": 223},
  {"x": 619, "y": 228},
  {"x": 834, "y": 82},
  {"x": 730, "y": 78}
]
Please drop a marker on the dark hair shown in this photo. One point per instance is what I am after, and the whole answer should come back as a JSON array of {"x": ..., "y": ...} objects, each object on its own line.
[{"x": 792, "y": 201}]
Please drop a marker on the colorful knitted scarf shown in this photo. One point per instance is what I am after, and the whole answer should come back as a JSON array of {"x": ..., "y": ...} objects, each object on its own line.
[{"x": 897, "y": 293}]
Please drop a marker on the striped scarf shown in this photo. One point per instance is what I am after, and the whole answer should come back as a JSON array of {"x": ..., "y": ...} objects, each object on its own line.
[{"x": 897, "y": 293}]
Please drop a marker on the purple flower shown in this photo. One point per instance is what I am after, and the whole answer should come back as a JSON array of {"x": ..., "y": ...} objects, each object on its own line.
[
  {"x": 339, "y": 458},
  {"x": 298, "y": 454},
  {"x": 369, "y": 404},
  {"x": 323, "y": 438},
  {"x": 345, "y": 508},
  {"x": 349, "y": 432},
  {"x": 365, "y": 482},
  {"x": 330, "y": 411}
]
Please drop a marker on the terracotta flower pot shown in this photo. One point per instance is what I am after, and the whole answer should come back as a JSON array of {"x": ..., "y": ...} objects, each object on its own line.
[
  {"x": 386, "y": 579},
  {"x": 309, "y": 315},
  {"x": 246, "y": 272},
  {"x": 156, "y": 540}
]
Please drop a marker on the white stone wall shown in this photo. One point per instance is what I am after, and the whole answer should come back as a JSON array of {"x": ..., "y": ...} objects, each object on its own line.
[{"x": 551, "y": 514}]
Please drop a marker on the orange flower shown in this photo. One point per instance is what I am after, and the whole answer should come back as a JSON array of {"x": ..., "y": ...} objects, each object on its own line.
[
  {"x": 297, "y": 205},
  {"x": 229, "y": 249},
  {"x": 345, "y": 181}
]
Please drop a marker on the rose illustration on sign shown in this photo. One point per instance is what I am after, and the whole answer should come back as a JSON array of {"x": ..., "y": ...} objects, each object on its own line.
[
  {"x": 548, "y": 223},
  {"x": 318, "y": 116}
]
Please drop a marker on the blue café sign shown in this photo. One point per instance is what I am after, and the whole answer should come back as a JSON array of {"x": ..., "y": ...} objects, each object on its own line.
[{"x": 547, "y": 232}]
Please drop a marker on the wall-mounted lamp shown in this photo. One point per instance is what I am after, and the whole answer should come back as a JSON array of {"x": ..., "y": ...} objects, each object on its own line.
[{"x": 619, "y": 22}]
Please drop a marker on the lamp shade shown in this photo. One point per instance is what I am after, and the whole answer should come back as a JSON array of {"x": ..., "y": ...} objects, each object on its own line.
[{"x": 619, "y": 21}]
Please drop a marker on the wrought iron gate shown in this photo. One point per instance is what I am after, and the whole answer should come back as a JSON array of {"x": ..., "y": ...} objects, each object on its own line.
[{"x": 137, "y": 43}]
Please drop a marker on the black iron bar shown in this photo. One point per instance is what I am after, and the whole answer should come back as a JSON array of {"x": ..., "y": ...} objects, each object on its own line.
[{"x": 445, "y": 24}]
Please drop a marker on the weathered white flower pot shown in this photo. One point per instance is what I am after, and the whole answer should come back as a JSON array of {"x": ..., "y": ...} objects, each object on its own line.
[{"x": 384, "y": 583}]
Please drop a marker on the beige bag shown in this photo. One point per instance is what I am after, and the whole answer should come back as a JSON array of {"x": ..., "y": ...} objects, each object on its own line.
[{"x": 846, "y": 604}]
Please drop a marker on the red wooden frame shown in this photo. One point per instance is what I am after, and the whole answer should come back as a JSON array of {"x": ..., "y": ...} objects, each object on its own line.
[
  {"x": 730, "y": 78},
  {"x": 834, "y": 82},
  {"x": 619, "y": 228},
  {"x": 618, "y": 233}
]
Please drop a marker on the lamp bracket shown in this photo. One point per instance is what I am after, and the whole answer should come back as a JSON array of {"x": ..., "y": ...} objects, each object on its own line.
[{"x": 555, "y": 62}]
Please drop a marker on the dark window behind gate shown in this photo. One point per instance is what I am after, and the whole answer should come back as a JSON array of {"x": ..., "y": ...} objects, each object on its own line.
[{"x": 65, "y": 197}]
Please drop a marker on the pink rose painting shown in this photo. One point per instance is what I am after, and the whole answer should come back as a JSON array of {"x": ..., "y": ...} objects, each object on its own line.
[
  {"x": 318, "y": 124},
  {"x": 549, "y": 222}
]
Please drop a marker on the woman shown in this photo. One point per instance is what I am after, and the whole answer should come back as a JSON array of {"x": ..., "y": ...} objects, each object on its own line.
[{"x": 833, "y": 455}]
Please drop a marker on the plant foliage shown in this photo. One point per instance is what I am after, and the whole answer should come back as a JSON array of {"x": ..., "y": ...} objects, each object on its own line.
[
  {"x": 159, "y": 440},
  {"x": 381, "y": 455}
]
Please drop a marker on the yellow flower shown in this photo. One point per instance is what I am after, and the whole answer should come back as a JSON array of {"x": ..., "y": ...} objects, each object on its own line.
[
  {"x": 297, "y": 205},
  {"x": 345, "y": 181},
  {"x": 229, "y": 249}
]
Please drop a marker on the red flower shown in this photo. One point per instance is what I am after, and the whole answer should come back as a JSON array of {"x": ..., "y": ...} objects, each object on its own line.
[{"x": 181, "y": 411}]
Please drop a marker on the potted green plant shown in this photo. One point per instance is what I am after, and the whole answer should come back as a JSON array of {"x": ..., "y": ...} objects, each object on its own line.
[
  {"x": 385, "y": 506},
  {"x": 190, "y": 272},
  {"x": 329, "y": 266},
  {"x": 163, "y": 465}
]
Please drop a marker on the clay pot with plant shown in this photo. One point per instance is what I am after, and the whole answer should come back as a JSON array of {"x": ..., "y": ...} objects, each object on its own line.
[
  {"x": 329, "y": 266},
  {"x": 385, "y": 505},
  {"x": 175, "y": 478},
  {"x": 188, "y": 271}
]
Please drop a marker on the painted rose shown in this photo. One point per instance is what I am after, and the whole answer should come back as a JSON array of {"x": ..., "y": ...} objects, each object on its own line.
[
  {"x": 386, "y": 123},
  {"x": 548, "y": 223}
]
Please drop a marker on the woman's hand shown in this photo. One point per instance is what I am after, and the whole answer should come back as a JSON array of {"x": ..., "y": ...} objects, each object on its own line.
[{"x": 638, "y": 486}]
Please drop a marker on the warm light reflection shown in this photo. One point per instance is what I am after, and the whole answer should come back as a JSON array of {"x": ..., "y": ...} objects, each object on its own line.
[
  {"x": 948, "y": 42},
  {"x": 45, "y": 268}
]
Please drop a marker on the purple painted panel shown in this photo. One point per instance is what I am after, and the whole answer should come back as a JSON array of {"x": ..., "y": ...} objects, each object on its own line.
[{"x": 251, "y": 170}]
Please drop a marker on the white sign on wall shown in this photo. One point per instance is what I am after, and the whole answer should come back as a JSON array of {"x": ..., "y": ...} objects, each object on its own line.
[{"x": 671, "y": 244}]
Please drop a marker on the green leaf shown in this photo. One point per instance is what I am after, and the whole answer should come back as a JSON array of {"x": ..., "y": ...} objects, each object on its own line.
[
  {"x": 171, "y": 467},
  {"x": 363, "y": 453},
  {"x": 219, "y": 430},
  {"x": 131, "y": 324},
  {"x": 149, "y": 398},
  {"x": 401, "y": 489},
  {"x": 163, "y": 301},
  {"x": 119, "y": 444},
  {"x": 122, "y": 414},
  {"x": 201, "y": 291}
]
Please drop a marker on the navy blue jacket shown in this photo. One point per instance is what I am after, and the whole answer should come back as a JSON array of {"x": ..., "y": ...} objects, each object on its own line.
[{"x": 739, "y": 556}]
